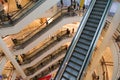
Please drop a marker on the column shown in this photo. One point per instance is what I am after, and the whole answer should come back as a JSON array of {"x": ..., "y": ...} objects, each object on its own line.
[
  {"x": 10, "y": 56},
  {"x": 106, "y": 41}
]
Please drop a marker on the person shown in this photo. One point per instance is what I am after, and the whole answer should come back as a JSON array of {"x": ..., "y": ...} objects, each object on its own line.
[
  {"x": 97, "y": 77},
  {"x": 15, "y": 41},
  {"x": 119, "y": 78},
  {"x": 58, "y": 38},
  {"x": 68, "y": 31},
  {"x": 83, "y": 8},
  {"x": 118, "y": 39},
  {"x": 61, "y": 2},
  {"x": 17, "y": 59},
  {"x": 1, "y": 12},
  {"x": 9, "y": 18},
  {"x": 35, "y": 78},
  {"x": 18, "y": 5},
  {"x": 73, "y": 30}
]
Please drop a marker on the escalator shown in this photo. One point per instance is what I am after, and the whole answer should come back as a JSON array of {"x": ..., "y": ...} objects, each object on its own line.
[
  {"x": 26, "y": 16},
  {"x": 83, "y": 44}
]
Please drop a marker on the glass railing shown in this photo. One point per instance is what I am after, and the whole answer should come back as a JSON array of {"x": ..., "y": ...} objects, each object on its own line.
[
  {"x": 12, "y": 18},
  {"x": 46, "y": 45},
  {"x": 51, "y": 57}
]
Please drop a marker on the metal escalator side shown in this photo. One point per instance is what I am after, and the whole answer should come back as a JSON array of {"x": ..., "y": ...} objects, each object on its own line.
[{"x": 83, "y": 44}]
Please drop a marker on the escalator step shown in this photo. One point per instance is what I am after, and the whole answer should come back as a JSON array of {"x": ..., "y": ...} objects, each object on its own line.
[
  {"x": 95, "y": 17},
  {"x": 76, "y": 60},
  {"x": 79, "y": 56},
  {"x": 80, "y": 51},
  {"x": 98, "y": 9},
  {"x": 101, "y": 2},
  {"x": 93, "y": 21},
  {"x": 81, "y": 45},
  {"x": 86, "y": 37},
  {"x": 99, "y": 6},
  {"x": 85, "y": 41},
  {"x": 96, "y": 13},
  {"x": 68, "y": 76},
  {"x": 63, "y": 78},
  {"x": 71, "y": 71},
  {"x": 90, "y": 33},
  {"x": 91, "y": 29},
  {"x": 74, "y": 66}
]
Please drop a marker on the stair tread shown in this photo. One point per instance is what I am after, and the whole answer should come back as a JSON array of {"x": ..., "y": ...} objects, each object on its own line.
[
  {"x": 81, "y": 51},
  {"x": 79, "y": 56},
  {"x": 74, "y": 66},
  {"x": 84, "y": 41},
  {"x": 69, "y": 76},
  {"x": 72, "y": 71}
]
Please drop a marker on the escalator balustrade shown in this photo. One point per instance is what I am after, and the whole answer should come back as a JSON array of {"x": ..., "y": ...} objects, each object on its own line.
[{"x": 74, "y": 65}]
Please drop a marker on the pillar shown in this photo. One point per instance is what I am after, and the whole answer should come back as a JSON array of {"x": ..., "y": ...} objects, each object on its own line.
[{"x": 10, "y": 56}]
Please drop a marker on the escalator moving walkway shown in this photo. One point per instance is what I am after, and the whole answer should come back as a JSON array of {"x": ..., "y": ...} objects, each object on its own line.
[{"x": 79, "y": 52}]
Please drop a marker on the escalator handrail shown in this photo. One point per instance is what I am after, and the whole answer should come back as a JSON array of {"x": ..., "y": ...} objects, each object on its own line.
[
  {"x": 95, "y": 38},
  {"x": 74, "y": 41}
]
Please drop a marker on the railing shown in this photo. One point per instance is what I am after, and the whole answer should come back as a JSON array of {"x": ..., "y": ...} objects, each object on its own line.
[
  {"x": 18, "y": 15},
  {"x": 45, "y": 45},
  {"x": 41, "y": 27},
  {"x": 47, "y": 60}
]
